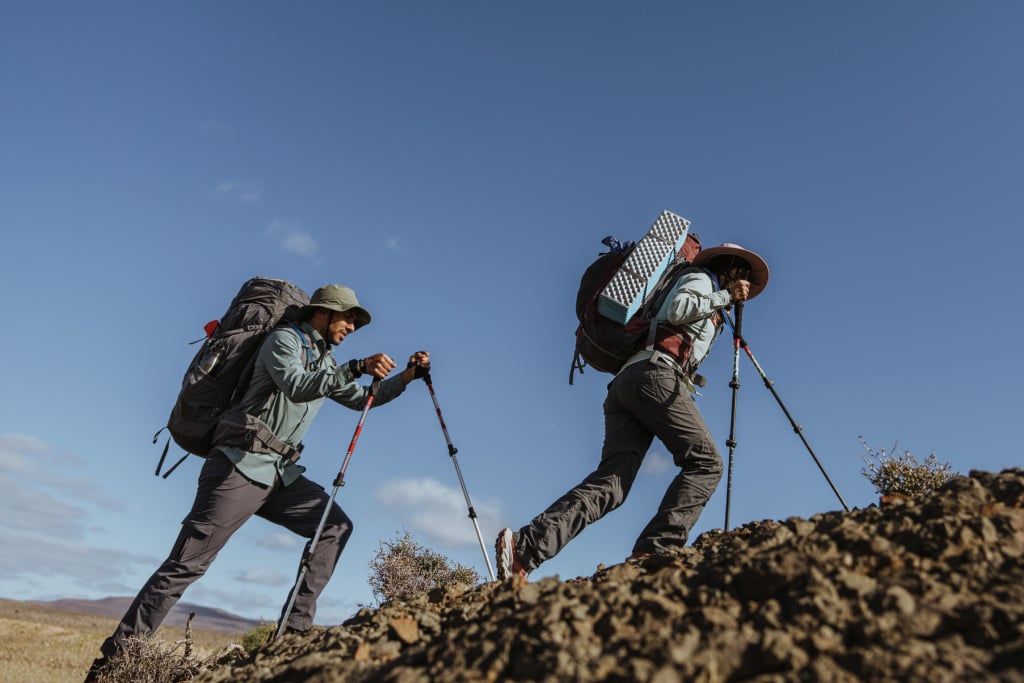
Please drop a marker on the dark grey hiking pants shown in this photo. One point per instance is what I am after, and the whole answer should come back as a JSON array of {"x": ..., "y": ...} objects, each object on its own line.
[
  {"x": 646, "y": 400},
  {"x": 224, "y": 501}
]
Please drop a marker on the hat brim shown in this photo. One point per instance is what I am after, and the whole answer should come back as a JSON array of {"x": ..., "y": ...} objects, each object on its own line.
[
  {"x": 758, "y": 266},
  {"x": 362, "y": 315}
]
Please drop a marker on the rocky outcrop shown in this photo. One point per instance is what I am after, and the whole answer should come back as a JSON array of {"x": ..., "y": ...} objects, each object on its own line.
[{"x": 928, "y": 589}]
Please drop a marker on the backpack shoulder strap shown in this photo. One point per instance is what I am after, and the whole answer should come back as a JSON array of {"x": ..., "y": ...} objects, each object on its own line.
[
  {"x": 307, "y": 343},
  {"x": 668, "y": 281},
  {"x": 665, "y": 286},
  {"x": 715, "y": 286}
]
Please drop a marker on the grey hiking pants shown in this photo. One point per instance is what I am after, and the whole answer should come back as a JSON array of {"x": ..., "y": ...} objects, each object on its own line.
[
  {"x": 224, "y": 501},
  {"x": 647, "y": 399}
]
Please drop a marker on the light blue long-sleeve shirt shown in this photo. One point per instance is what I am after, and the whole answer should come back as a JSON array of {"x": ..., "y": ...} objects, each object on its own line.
[
  {"x": 691, "y": 306},
  {"x": 287, "y": 389}
]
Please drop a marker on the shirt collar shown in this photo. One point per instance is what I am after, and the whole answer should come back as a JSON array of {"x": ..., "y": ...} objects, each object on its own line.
[{"x": 318, "y": 341}]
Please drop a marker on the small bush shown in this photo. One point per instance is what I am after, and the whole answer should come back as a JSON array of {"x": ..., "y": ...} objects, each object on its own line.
[
  {"x": 898, "y": 472},
  {"x": 258, "y": 636},
  {"x": 402, "y": 567},
  {"x": 148, "y": 660}
]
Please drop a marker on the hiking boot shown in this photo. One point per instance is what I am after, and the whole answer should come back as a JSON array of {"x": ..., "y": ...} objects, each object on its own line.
[
  {"x": 506, "y": 556},
  {"x": 94, "y": 671}
]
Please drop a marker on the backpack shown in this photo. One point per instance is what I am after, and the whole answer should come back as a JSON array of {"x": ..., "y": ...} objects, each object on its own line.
[
  {"x": 604, "y": 343},
  {"x": 221, "y": 370}
]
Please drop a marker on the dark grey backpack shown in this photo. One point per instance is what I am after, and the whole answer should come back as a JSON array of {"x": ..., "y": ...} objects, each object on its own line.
[{"x": 221, "y": 370}]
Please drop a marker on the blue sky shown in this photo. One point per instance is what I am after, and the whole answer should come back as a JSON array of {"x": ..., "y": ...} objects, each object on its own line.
[{"x": 457, "y": 164}]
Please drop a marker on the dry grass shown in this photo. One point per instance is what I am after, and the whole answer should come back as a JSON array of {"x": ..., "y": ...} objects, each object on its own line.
[{"x": 43, "y": 645}]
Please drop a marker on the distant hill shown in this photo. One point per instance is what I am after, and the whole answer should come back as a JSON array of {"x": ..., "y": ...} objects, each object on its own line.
[{"x": 207, "y": 618}]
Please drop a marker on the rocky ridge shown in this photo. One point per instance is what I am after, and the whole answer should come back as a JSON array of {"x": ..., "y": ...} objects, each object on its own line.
[{"x": 928, "y": 589}]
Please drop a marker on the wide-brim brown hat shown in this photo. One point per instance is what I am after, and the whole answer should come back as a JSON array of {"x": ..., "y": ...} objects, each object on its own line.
[
  {"x": 337, "y": 298},
  {"x": 758, "y": 266}
]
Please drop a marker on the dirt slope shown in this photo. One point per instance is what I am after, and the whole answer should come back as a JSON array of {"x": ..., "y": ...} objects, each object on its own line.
[{"x": 924, "y": 590}]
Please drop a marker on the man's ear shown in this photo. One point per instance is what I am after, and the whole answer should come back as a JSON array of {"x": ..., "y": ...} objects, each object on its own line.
[{"x": 316, "y": 318}]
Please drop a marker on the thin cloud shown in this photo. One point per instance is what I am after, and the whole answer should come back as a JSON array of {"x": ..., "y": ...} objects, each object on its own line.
[
  {"x": 301, "y": 243},
  {"x": 242, "y": 602},
  {"x": 22, "y": 443},
  {"x": 263, "y": 577},
  {"x": 36, "y": 465},
  {"x": 276, "y": 540},
  {"x": 39, "y": 513},
  {"x": 391, "y": 243},
  {"x": 237, "y": 189},
  {"x": 656, "y": 464},
  {"x": 334, "y": 610},
  {"x": 293, "y": 238},
  {"x": 436, "y": 510},
  {"x": 32, "y": 557},
  {"x": 44, "y": 521}
]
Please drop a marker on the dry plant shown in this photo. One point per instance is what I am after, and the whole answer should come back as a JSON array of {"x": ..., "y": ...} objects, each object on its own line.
[
  {"x": 402, "y": 567},
  {"x": 148, "y": 660},
  {"x": 898, "y": 472}
]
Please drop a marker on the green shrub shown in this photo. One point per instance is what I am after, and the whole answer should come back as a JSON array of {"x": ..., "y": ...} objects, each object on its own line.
[
  {"x": 258, "y": 636},
  {"x": 898, "y": 472},
  {"x": 402, "y": 567}
]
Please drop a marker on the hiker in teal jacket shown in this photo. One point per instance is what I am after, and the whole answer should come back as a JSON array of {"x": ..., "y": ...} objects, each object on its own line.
[
  {"x": 252, "y": 469},
  {"x": 292, "y": 378},
  {"x": 651, "y": 397}
]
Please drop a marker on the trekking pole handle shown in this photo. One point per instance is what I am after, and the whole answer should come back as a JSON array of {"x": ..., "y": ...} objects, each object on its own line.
[
  {"x": 737, "y": 331},
  {"x": 420, "y": 372}
]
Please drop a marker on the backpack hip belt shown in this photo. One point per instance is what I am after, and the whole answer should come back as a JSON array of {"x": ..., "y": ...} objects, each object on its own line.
[
  {"x": 666, "y": 359},
  {"x": 248, "y": 432}
]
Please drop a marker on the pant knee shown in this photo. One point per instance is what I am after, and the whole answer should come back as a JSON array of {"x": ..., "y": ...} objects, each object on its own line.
[
  {"x": 715, "y": 466},
  {"x": 702, "y": 455},
  {"x": 339, "y": 523}
]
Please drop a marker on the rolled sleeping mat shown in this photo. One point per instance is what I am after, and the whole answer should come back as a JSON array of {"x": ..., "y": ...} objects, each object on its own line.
[{"x": 625, "y": 293}]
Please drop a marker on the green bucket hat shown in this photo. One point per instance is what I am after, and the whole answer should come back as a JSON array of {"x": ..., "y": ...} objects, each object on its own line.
[{"x": 336, "y": 298}]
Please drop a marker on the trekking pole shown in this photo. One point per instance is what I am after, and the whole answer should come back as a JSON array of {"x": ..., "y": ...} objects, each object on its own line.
[
  {"x": 339, "y": 481},
  {"x": 452, "y": 450},
  {"x": 796, "y": 428},
  {"x": 735, "y": 384}
]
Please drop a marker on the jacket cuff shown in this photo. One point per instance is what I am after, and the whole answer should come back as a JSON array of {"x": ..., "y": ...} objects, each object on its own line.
[
  {"x": 721, "y": 298},
  {"x": 344, "y": 375}
]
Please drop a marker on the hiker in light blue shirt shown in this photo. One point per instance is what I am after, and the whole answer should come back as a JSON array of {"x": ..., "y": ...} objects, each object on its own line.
[
  {"x": 693, "y": 306},
  {"x": 651, "y": 396},
  {"x": 252, "y": 468}
]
